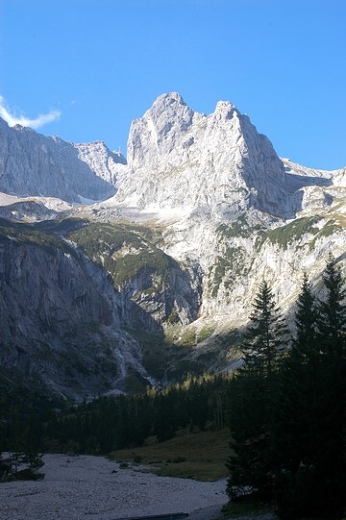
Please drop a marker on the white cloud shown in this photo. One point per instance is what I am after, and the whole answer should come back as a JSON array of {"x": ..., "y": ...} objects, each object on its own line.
[{"x": 35, "y": 123}]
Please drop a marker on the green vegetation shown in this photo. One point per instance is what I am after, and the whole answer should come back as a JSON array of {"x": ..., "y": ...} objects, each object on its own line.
[
  {"x": 30, "y": 234},
  {"x": 124, "y": 250},
  {"x": 295, "y": 230},
  {"x": 125, "y": 268},
  {"x": 198, "y": 455},
  {"x": 126, "y": 422},
  {"x": 228, "y": 267},
  {"x": 21, "y": 426},
  {"x": 331, "y": 227},
  {"x": 290, "y": 232},
  {"x": 188, "y": 337},
  {"x": 239, "y": 228},
  {"x": 205, "y": 332},
  {"x": 236, "y": 229},
  {"x": 231, "y": 264},
  {"x": 96, "y": 237}
]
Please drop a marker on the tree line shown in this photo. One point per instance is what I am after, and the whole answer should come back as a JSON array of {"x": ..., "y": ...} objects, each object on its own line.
[{"x": 111, "y": 423}]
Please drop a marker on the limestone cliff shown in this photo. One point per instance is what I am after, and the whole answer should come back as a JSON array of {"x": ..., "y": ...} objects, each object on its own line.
[
  {"x": 32, "y": 164},
  {"x": 61, "y": 328}
]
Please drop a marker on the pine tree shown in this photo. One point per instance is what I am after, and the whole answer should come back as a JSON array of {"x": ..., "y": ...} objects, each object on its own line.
[
  {"x": 332, "y": 323},
  {"x": 253, "y": 398},
  {"x": 294, "y": 425},
  {"x": 306, "y": 319},
  {"x": 264, "y": 339},
  {"x": 310, "y": 423},
  {"x": 331, "y": 460}
]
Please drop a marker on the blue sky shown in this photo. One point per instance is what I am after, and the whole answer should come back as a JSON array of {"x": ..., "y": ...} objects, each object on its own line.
[{"x": 92, "y": 66}]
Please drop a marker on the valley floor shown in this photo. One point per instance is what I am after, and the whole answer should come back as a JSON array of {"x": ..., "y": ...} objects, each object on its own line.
[{"x": 95, "y": 488}]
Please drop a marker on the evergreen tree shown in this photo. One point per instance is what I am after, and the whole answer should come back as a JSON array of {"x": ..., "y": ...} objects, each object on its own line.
[
  {"x": 165, "y": 416},
  {"x": 331, "y": 460},
  {"x": 294, "y": 425},
  {"x": 264, "y": 339},
  {"x": 332, "y": 323},
  {"x": 310, "y": 423},
  {"x": 253, "y": 398},
  {"x": 306, "y": 320}
]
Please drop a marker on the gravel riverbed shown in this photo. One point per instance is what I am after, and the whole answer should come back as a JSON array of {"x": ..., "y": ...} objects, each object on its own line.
[{"x": 95, "y": 488}]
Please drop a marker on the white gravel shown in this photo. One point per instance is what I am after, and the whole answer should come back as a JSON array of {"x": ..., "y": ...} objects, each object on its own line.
[{"x": 95, "y": 488}]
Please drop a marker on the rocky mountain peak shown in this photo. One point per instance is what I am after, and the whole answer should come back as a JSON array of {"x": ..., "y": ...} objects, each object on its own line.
[
  {"x": 169, "y": 98},
  {"x": 159, "y": 130},
  {"x": 225, "y": 109},
  {"x": 219, "y": 161}
]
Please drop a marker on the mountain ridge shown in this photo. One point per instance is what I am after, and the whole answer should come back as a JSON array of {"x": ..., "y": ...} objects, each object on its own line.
[
  {"x": 183, "y": 233},
  {"x": 35, "y": 165}
]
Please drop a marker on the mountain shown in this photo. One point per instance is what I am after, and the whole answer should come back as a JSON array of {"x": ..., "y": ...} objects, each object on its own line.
[
  {"x": 216, "y": 163},
  {"x": 32, "y": 164},
  {"x": 116, "y": 274}
]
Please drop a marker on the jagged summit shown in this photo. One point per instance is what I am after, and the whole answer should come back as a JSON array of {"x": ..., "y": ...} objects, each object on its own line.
[
  {"x": 169, "y": 98},
  {"x": 180, "y": 157},
  {"x": 158, "y": 130},
  {"x": 226, "y": 108}
]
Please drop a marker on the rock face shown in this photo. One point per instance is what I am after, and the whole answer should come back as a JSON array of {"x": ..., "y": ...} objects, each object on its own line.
[
  {"x": 60, "y": 318},
  {"x": 200, "y": 214},
  {"x": 31, "y": 164},
  {"x": 229, "y": 204},
  {"x": 180, "y": 158}
]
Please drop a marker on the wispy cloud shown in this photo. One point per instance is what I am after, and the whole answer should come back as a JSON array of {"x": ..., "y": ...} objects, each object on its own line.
[{"x": 35, "y": 123}]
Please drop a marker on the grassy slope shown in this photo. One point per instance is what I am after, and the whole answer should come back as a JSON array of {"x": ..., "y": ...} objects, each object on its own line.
[
  {"x": 201, "y": 456},
  {"x": 205, "y": 455}
]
